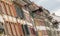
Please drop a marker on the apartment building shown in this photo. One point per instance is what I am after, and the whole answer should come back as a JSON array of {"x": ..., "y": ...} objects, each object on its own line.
[
  {"x": 24, "y": 18},
  {"x": 42, "y": 19},
  {"x": 16, "y": 17},
  {"x": 57, "y": 25}
]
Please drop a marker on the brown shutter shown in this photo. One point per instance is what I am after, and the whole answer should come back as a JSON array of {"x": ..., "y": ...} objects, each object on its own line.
[
  {"x": 40, "y": 33},
  {"x": 7, "y": 9},
  {"x": 20, "y": 29},
  {"x": 13, "y": 29},
  {"x": 9, "y": 29},
  {"x": 13, "y": 10},
  {"x": 0, "y": 8},
  {"x": 17, "y": 29},
  {"x": 3, "y": 8}
]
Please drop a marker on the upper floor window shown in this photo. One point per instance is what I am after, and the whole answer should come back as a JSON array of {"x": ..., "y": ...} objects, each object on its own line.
[{"x": 19, "y": 11}]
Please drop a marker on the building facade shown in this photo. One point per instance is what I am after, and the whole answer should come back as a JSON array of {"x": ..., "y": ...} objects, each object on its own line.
[{"x": 24, "y": 18}]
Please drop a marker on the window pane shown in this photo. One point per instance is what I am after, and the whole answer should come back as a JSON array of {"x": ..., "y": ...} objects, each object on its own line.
[
  {"x": 26, "y": 29},
  {"x": 19, "y": 11}
]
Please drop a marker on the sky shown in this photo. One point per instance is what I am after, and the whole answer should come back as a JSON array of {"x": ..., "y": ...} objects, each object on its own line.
[{"x": 52, "y": 5}]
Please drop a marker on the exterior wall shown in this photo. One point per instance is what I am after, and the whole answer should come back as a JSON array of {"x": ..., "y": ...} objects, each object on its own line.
[
  {"x": 12, "y": 22},
  {"x": 11, "y": 26},
  {"x": 39, "y": 16}
]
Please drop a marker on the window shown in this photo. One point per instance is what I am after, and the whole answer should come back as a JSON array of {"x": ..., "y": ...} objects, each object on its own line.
[
  {"x": 19, "y": 11},
  {"x": 32, "y": 31},
  {"x": 49, "y": 33},
  {"x": 1, "y": 28},
  {"x": 47, "y": 24},
  {"x": 25, "y": 29},
  {"x": 44, "y": 32}
]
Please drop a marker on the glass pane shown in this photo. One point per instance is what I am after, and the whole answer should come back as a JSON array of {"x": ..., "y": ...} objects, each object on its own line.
[
  {"x": 26, "y": 29},
  {"x": 19, "y": 11}
]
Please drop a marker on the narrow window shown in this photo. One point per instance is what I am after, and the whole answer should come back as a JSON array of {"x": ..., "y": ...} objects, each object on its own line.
[{"x": 19, "y": 11}]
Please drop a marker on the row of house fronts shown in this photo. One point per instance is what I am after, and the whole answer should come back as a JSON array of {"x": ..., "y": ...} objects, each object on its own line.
[{"x": 24, "y": 18}]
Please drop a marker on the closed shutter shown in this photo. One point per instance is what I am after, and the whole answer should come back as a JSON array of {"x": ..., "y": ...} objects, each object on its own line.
[
  {"x": 20, "y": 29},
  {"x": 7, "y": 9},
  {"x": 9, "y": 29},
  {"x": 13, "y": 29},
  {"x": 44, "y": 32},
  {"x": 13, "y": 11},
  {"x": 0, "y": 8},
  {"x": 40, "y": 33}
]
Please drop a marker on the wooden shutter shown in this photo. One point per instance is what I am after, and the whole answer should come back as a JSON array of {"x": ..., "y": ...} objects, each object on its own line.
[
  {"x": 0, "y": 8},
  {"x": 13, "y": 29},
  {"x": 9, "y": 29},
  {"x": 3, "y": 8},
  {"x": 17, "y": 29},
  {"x": 40, "y": 33},
  {"x": 13, "y": 11},
  {"x": 7, "y": 9},
  {"x": 20, "y": 27}
]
